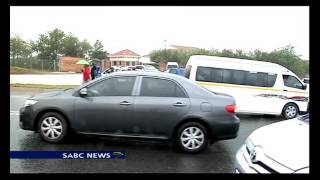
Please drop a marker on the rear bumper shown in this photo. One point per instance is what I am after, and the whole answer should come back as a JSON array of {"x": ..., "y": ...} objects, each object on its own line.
[{"x": 225, "y": 128}]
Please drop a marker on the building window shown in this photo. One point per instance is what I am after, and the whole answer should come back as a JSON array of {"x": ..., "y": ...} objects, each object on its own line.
[
  {"x": 114, "y": 63},
  {"x": 128, "y": 63},
  {"x": 133, "y": 63}
]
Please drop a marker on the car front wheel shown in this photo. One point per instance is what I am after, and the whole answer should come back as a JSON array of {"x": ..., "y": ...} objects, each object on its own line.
[
  {"x": 52, "y": 127},
  {"x": 192, "y": 137}
]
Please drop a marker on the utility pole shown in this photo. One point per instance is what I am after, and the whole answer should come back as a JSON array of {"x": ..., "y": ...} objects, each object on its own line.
[{"x": 165, "y": 49}]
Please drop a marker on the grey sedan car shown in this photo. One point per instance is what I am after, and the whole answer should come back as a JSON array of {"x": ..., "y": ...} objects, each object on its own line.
[{"x": 152, "y": 105}]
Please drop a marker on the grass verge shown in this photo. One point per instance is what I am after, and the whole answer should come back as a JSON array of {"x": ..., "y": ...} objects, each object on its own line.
[{"x": 43, "y": 86}]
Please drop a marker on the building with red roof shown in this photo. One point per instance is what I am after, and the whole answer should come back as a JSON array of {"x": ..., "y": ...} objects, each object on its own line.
[{"x": 121, "y": 59}]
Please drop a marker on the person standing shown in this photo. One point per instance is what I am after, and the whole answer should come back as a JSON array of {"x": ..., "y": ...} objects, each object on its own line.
[
  {"x": 98, "y": 71},
  {"x": 86, "y": 74},
  {"x": 93, "y": 71}
]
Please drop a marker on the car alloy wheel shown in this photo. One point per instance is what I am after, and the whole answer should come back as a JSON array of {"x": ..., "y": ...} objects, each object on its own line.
[
  {"x": 51, "y": 127},
  {"x": 192, "y": 138}
]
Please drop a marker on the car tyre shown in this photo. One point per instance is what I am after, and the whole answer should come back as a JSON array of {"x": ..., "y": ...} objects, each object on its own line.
[
  {"x": 290, "y": 111},
  {"x": 52, "y": 127},
  {"x": 192, "y": 137}
]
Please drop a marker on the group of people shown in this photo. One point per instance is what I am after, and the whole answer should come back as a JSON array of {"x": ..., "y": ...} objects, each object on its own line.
[{"x": 91, "y": 73}]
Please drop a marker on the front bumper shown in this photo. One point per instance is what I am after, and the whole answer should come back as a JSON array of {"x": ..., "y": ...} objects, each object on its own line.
[
  {"x": 242, "y": 164},
  {"x": 264, "y": 165},
  {"x": 26, "y": 118}
]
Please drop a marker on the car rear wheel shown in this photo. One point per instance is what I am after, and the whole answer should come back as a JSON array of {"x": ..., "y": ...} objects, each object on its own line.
[
  {"x": 52, "y": 127},
  {"x": 290, "y": 111},
  {"x": 192, "y": 137}
]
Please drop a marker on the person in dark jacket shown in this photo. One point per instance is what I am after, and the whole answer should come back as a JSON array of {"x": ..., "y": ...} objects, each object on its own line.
[
  {"x": 93, "y": 71},
  {"x": 98, "y": 71}
]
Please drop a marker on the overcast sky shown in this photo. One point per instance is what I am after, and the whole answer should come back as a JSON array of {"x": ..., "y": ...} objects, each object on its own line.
[{"x": 143, "y": 29}]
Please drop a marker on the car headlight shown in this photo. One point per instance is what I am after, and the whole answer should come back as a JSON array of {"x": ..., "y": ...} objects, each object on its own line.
[
  {"x": 29, "y": 102},
  {"x": 249, "y": 145}
]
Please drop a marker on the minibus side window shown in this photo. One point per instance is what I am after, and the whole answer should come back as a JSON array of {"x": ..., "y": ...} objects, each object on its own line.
[
  {"x": 203, "y": 74},
  {"x": 271, "y": 79},
  {"x": 291, "y": 81},
  {"x": 227, "y": 76},
  {"x": 216, "y": 75},
  {"x": 262, "y": 79},
  {"x": 251, "y": 78},
  {"x": 238, "y": 77}
]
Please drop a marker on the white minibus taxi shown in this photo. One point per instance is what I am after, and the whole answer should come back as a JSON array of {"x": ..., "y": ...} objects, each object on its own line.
[{"x": 258, "y": 87}]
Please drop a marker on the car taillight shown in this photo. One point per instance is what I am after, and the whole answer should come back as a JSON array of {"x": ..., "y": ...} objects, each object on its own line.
[{"x": 231, "y": 108}]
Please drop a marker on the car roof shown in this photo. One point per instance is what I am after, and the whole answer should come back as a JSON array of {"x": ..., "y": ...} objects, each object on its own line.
[
  {"x": 194, "y": 90},
  {"x": 148, "y": 73}
]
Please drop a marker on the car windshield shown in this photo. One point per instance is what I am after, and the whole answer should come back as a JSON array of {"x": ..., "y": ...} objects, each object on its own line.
[
  {"x": 139, "y": 67},
  {"x": 304, "y": 118}
]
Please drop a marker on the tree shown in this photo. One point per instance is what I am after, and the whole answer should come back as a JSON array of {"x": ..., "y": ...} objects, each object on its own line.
[
  {"x": 50, "y": 44},
  {"x": 17, "y": 48},
  {"x": 71, "y": 46},
  {"x": 97, "y": 51},
  {"x": 85, "y": 48}
]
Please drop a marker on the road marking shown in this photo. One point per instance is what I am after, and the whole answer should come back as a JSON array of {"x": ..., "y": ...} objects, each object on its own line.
[{"x": 14, "y": 113}]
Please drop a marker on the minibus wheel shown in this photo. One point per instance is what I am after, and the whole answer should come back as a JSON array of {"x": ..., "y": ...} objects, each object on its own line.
[{"x": 290, "y": 111}]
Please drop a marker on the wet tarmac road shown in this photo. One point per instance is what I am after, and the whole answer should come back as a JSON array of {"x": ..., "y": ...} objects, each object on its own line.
[{"x": 141, "y": 156}]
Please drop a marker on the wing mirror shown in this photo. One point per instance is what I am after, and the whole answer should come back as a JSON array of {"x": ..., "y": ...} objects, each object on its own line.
[
  {"x": 304, "y": 87},
  {"x": 83, "y": 92}
]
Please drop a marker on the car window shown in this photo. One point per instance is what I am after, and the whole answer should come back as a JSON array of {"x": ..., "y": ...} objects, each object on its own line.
[
  {"x": 172, "y": 66},
  {"x": 116, "y": 86},
  {"x": 160, "y": 88},
  {"x": 291, "y": 81}
]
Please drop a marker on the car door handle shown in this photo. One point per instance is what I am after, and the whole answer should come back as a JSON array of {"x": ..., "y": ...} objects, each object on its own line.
[
  {"x": 285, "y": 90},
  {"x": 125, "y": 103},
  {"x": 179, "y": 104}
]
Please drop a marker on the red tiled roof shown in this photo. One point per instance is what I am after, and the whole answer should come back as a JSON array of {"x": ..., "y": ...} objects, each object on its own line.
[{"x": 125, "y": 52}]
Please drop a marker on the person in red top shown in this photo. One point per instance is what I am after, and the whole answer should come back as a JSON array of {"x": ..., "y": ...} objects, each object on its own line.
[{"x": 86, "y": 73}]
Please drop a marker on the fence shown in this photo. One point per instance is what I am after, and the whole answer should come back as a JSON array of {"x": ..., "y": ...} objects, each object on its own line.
[{"x": 35, "y": 63}]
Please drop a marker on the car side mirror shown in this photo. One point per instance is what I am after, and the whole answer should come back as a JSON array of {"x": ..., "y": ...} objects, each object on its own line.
[
  {"x": 305, "y": 86},
  {"x": 83, "y": 92}
]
